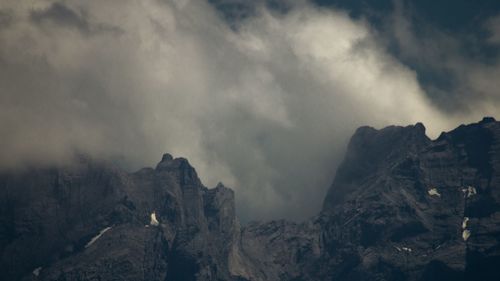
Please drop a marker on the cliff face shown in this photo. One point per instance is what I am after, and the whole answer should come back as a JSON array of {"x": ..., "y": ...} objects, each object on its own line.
[
  {"x": 401, "y": 207},
  {"x": 94, "y": 222},
  {"x": 413, "y": 209}
]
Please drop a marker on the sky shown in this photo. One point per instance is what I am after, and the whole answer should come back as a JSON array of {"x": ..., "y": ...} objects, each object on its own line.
[{"x": 260, "y": 95}]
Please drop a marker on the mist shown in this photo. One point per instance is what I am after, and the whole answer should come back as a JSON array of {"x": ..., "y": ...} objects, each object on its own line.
[{"x": 267, "y": 108}]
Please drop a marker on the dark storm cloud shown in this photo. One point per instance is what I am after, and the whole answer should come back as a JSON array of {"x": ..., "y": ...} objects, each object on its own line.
[
  {"x": 449, "y": 60},
  {"x": 234, "y": 10},
  {"x": 59, "y": 14},
  {"x": 266, "y": 107},
  {"x": 5, "y": 18}
]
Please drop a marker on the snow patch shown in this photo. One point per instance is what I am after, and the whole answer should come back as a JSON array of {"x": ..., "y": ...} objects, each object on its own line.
[
  {"x": 471, "y": 191},
  {"x": 37, "y": 270},
  {"x": 92, "y": 241},
  {"x": 407, "y": 249},
  {"x": 433, "y": 192},
  {"x": 466, "y": 234},
  {"x": 154, "y": 221},
  {"x": 464, "y": 222}
]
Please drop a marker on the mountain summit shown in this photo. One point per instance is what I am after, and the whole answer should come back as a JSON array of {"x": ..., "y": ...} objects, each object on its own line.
[{"x": 401, "y": 207}]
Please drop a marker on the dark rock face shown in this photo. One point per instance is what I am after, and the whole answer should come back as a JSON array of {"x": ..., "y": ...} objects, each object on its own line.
[
  {"x": 50, "y": 216},
  {"x": 401, "y": 207}
]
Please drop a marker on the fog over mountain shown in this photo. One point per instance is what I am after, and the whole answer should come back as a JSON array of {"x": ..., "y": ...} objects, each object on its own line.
[{"x": 264, "y": 102}]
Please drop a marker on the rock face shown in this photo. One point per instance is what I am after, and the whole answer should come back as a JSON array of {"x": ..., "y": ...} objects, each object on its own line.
[
  {"x": 401, "y": 207},
  {"x": 54, "y": 219}
]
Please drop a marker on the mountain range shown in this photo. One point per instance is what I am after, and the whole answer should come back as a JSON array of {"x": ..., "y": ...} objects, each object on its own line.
[{"x": 401, "y": 207}]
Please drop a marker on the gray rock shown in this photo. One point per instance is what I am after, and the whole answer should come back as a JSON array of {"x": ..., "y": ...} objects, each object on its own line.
[
  {"x": 395, "y": 211},
  {"x": 401, "y": 207},
  {"x": 50, "y": 215}
]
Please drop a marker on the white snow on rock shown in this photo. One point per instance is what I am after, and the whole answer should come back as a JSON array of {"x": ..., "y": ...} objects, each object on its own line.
[
  {"x": 471, "y": 191},
  {"x": 403, "y": 249},
  {"x": 153, "y": 220},
  {"x": 92, "y": 241},
  {"x": 37, "y": 270},
  {"x": 433, "y": 192},
  {"x": 407, "y": 249},
  {"x": 466, "y": 234},
  {"x": 464, "y": 222}
]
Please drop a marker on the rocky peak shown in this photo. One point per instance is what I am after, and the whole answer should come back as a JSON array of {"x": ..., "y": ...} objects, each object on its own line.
[
  {"x": 487, "y": 120},
  {"x": 420, "y": 209},
  {"x": 375, "y": 147},
  {"x": 185, "y": 173},
  {"x": 166, "y": 157},
  {"x": 372, "y": 151},
  {"x": 474, "y": 143},
  {"x": 95, "y": 221}
]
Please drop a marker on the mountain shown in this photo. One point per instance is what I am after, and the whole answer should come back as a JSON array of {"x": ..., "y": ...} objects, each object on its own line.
[
  {"x": 93, "y": 221},
  {"x": 404, "y": 207},
  {"x": 401, "y": 207}
]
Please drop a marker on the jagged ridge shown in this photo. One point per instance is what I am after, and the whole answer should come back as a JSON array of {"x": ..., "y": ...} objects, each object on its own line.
[{"x": 401, "y": 207}]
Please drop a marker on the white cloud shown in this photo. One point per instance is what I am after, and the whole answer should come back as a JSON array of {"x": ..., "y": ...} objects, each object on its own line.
[{"x": 267, "y": 109}]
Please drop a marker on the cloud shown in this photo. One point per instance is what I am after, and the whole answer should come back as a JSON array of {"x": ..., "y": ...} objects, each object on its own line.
[
  {"x": 493, "y": 26},
  {"x": 457, "y": 69},
  {"x": 59, "y": 14},
  {"x": 267, "y": 108}
]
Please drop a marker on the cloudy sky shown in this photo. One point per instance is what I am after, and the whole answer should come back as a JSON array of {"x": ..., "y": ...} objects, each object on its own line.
[{"x": 261, "y": 95}]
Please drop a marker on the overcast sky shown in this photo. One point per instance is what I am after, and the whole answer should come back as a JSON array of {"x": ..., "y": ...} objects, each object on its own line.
[{"x": 261, "y": 96}]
